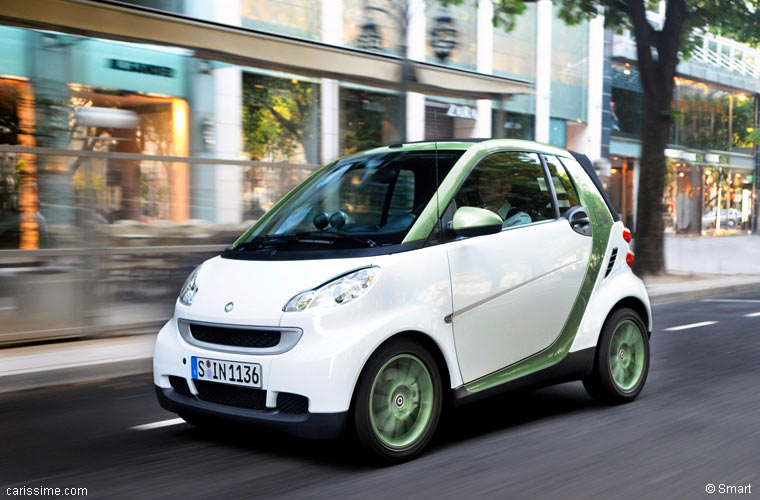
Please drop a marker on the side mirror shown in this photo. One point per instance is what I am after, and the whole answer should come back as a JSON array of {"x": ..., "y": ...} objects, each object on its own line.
[{"x": 472, "y": 221}]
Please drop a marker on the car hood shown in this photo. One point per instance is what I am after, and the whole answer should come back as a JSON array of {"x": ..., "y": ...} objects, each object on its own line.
[{"x": 259, "y": 289}]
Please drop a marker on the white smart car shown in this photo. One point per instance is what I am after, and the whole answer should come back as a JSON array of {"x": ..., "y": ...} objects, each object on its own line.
[{"x": 397, "y": 282}]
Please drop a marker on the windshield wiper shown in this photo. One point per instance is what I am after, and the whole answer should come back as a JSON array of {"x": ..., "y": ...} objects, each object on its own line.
[
  {"x": 269, "y": 240},
  {"x": 315, "y": 237},
  {"x": 337, "y": 236}
]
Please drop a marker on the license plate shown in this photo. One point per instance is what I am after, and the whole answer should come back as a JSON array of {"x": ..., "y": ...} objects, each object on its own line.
[{"x": 226, "y": 372}]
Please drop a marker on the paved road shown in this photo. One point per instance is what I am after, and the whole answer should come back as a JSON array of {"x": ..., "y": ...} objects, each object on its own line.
[{"x": 697, "y": 422}]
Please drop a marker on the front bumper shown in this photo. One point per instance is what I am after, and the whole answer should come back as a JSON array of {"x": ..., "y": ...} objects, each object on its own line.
[{"x": 310, "y": 425}]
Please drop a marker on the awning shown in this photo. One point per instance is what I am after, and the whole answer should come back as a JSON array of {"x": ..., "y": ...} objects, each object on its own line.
[{"x": 246, "y": 47}]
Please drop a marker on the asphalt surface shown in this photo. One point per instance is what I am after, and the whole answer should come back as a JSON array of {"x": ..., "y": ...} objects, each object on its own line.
[{"x": 696, "y": 423}]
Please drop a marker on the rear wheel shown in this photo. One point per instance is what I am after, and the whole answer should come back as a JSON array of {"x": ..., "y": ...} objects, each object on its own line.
[
  {"x": 398, "y": 401},
  {"x": 622, "y": 359}
]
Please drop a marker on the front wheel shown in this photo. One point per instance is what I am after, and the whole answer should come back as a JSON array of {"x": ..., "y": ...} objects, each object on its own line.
[
  {"x": 398, "y": 401},
  {"x": 622, "y": 359}
]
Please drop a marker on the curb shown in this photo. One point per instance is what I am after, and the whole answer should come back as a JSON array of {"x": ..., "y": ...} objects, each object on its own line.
[
  {"x": 665, "y": 298},
  {"x": 72, "y": 375}
]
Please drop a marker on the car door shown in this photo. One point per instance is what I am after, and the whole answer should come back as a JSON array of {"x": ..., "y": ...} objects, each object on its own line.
[{"x": 512, "y": 291}]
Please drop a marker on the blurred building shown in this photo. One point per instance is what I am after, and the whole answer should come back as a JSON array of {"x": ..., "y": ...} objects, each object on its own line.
[
  {"x": 286, "y": 85},
  {"x": 712, "y": 165}
]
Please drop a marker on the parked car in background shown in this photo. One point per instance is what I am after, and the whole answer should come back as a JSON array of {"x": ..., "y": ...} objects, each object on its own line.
[{"x": 729, "y": 219}]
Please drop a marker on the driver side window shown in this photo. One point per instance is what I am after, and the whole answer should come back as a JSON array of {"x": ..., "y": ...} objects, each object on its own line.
[{"x": 510, "y": 184}]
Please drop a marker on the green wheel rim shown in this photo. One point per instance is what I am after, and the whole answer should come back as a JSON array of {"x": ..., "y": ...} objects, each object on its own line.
[
  {"x": 401, "y": 401},
  {"x": 627, "y": 355}
]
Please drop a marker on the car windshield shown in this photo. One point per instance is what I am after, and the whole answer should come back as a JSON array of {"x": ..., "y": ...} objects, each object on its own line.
[{"x": 361, "y": 201}]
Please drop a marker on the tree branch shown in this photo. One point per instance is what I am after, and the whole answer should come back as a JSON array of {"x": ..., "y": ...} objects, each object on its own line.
[{"x": 285, "y": 122}]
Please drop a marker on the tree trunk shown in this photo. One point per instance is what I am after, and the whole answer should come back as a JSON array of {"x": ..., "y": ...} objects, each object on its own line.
[
  {"x": 655, "y": 127},
  {"x": 657, "y": 53}
]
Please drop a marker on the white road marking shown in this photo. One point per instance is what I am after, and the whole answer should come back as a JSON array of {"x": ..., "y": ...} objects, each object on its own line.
[
  {"x": 752, "y": 315},
  {"x": 755, "y": 301},
  {"x": 156, "y": 425},
  {"x": 692, "y": 325}
]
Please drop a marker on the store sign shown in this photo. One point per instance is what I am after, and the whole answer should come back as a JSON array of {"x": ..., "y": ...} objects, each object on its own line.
[
  {"x": 136, "y": 67},
  {"x": 130, "y": 68},
  {"x": 466, "y": 112}
]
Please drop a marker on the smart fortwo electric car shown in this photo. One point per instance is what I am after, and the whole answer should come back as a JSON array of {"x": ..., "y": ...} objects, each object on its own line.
[{"x": 397, "y": 282}]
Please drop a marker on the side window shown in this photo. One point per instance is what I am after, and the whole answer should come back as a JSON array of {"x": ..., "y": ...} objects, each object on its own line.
[
  {"x": 511, "y": 184},
  {"x": 567, "y": 196}
]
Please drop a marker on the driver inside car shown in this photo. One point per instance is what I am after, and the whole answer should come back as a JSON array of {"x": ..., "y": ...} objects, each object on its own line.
[{"x": 493, "y": 190}]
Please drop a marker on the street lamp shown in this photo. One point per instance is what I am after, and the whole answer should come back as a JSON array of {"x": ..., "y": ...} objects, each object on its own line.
[
  {"x": 442, "y": 39},
  {"x": 443, "y": 36},
  {"x": 369, "y": 38}
]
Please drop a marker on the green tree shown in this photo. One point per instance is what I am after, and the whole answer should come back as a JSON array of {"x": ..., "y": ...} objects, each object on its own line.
[
  {"x": 279, "y": 118},
  {"x": 658, "y": 51}
]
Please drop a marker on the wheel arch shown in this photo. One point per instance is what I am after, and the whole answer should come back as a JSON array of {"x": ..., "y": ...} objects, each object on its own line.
[
  {"x": 430, "y": 345},
  {"x": 637, "y": 306}
]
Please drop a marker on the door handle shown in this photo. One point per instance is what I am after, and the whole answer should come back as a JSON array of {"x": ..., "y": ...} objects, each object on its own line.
[{"x": 579, "y": 220}]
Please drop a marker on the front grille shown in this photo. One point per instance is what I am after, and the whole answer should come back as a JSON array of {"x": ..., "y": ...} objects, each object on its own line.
[
  {"x": 236, "y": 337},
  {"x": 611, "y": 263},
  {"x": 230, "y": 395},
  {"x": 179, "y": 384},
  {"x": 292, "y": 403}
]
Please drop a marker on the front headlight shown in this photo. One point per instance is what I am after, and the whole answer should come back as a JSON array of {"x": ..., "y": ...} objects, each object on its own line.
[
  {"x": 337, "y": 292},
  {"x": 190, "y": 288}
]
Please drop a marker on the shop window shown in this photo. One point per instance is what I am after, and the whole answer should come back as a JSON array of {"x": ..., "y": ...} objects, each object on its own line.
[
  {"x": 514, "y": 51},
  {"x": 569, "y": 67},
  {"x": 301, "y": 18},
  {"x": 357, "y": 19},
  {"x": 368, "y": 119},
  {"x": 465, "y": 17},
  {"x": 514, "y": 125}
]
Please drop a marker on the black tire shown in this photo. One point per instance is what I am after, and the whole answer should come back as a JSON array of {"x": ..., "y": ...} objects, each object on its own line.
[
  {"x": 385, "y": 360},
  {"x": 602, "y": 384}
]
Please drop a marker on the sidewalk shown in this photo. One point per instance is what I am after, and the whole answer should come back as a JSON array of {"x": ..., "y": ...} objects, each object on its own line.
[{"x": 698, "y": 267}]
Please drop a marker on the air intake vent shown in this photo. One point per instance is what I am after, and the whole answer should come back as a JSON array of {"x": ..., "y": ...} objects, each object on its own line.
[
  {"x": 179, "y": 385},
  {"x": 230, "y": 395},
  {"x": 611, "y": 264},
  {"x": 238, "y": 337},
  {"x": 292, "y": 403}
]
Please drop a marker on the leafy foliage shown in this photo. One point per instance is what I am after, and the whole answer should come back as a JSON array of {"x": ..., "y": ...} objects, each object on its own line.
[{"x": 279, "y": 118}]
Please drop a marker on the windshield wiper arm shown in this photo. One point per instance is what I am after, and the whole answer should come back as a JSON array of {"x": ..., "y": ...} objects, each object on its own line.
[
  {"x": 329, "y": 234},
  {"x": 262, "y": 241}
]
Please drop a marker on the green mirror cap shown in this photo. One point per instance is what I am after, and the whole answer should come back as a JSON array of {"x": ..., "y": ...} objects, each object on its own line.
[{"x": 473, "y": 221}]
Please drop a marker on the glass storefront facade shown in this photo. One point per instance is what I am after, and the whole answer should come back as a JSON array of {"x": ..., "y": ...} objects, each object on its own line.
[
  {"x": 369, "y": 118},
  {"x": 464, "y": 17},
  {"x": 707, "y": 199},
  {"x": 708, "y": 117},
  {"x": 569, "y": 70},
  {"x": 710, "y": 178}
]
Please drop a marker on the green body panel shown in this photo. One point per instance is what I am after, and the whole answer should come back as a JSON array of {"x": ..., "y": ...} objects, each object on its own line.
[
  {"x": 472, "y": 217},
  {"x": 601, "y": 223}
]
